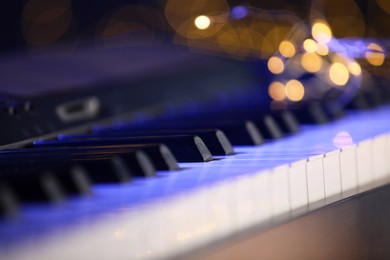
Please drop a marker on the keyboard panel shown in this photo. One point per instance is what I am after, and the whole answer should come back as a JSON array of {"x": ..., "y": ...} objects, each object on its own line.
[{"x": 205, "y": 202}]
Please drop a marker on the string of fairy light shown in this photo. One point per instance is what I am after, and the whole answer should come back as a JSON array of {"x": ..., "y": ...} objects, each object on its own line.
[{"x": 307, "y": 63}]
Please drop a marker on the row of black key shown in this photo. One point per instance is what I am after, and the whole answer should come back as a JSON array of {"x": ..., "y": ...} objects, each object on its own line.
[{"x": 53, "y": 168}]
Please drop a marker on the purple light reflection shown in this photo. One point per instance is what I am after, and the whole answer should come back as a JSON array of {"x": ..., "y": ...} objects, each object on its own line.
[
  {"x": 239, "y": 12},
  {"x": 353, "y": 48}
]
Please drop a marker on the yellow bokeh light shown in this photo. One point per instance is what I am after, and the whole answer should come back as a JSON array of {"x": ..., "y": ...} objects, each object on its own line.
[
  {"x": 294, "y": 90},
  {"x": 375, "y": 54},
  {"x": 181, "y": 16},
  {"x": 276, "y": 91},
  {"x": 310, "y": 45},
  {"x": 338, "y": 74},
  {"x": 275, "y": 65},
  {"x": 354, "y": 68},
  {"x": 322, "y": 49},
  {"x": 202, "y": 22},
  {"x": 311, "y": 62},
  {"x": 321, "y": 32},
  {"x": 287, "y": 49}
]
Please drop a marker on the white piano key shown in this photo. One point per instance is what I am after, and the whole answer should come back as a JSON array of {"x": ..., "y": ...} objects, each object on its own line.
[
  {"x": 388, "y": 152},
  {"x": 379, "y": 157},
  {"x": 253, "y": 200},
  {"x": 223, "y": 207},
  {"x": 315, "y": 178},
  {"x": 280, "y": 190},
  {"x": 332, "y": 178},
  {"x": 262, "y": 194},
  {"x": 349, "y": 179},
  {"x": 364, "y": 163},
  {"x": 388, "y": 148},
  {"x": 298, "y": 184},
  {"x": 245, "y": 202}
]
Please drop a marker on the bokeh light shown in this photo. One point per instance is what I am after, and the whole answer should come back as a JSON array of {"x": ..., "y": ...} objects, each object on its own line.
[
  {"x": 275, "y": 65},
  {"x": 181, "y": 16},
  {"x": 321, "y": 31},
  {"x": 294, "y": 90},
  {"x": 342, "y": 139},
  {"x": 375, "y": 54},
  {"x": 322, "y": 49},
  {"x": 354, "y": 68},
  {"x": 287, "y": 49},
  {"x": 202, "y": 22},
  {"x": 276, "y": 91},
  {"x": 338, "y": 74},
  {"x": 311, "y": 62},
  {"x": 310, "y": 45}
]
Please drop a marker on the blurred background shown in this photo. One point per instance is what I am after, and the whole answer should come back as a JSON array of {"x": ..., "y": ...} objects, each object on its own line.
[
  {"x": 314, "y": 50},
  {"x": 260, "y": 25}
]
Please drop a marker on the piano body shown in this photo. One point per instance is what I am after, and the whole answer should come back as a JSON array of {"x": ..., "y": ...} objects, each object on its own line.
[{"x": 158, "y": 152}]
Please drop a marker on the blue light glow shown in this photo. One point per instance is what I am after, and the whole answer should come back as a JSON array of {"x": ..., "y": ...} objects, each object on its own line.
[{"x": 239, "y": 12}]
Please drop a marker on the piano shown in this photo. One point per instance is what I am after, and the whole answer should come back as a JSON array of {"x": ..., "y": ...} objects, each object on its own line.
[{"x": 161, "y": 153}]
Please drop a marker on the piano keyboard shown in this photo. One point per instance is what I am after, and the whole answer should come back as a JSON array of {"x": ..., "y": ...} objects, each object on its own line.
[{"x": 216, "y": 194}]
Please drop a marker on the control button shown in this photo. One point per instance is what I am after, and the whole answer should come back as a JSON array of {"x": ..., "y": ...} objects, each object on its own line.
[
  {"x": 11, "y": 110},
  {"x": 27, "y": 106}
]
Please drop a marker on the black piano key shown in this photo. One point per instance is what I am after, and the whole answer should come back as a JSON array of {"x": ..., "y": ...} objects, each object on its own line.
[
  {"x": 120, "y": 169},
  {"x": 35, "y": 186},
  {"x": 375, "y": 97},
  {"x": 51, "y": 187},
  {"x": 9, "y": 205},
  {"x": 102, "y": 164},
  {"x": 237, "y": 132},
  {"x": 160, "y": 155},
  {"x": 286, "y": 121},
  {"x": 269, "y": 128},
  {"x": 333, "y": 109},
  {"x": 186, "y": 148},
  {"x": 359, "y": 102},
  {"x": 72, "y": 178},
  {"x": 250, "y": 109},
  {"x": 215, "y": 139},
  {"x": 310, "y": 113},
  {"x": 76, "y": 180},
  {"x": 368, "y": 98},
  {"x": 385, "y": 91},
  {"x": 265, "y": 124}
]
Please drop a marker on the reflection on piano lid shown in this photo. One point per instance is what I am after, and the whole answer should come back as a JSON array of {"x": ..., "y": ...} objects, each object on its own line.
[{"x": 52, "y": 94}]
